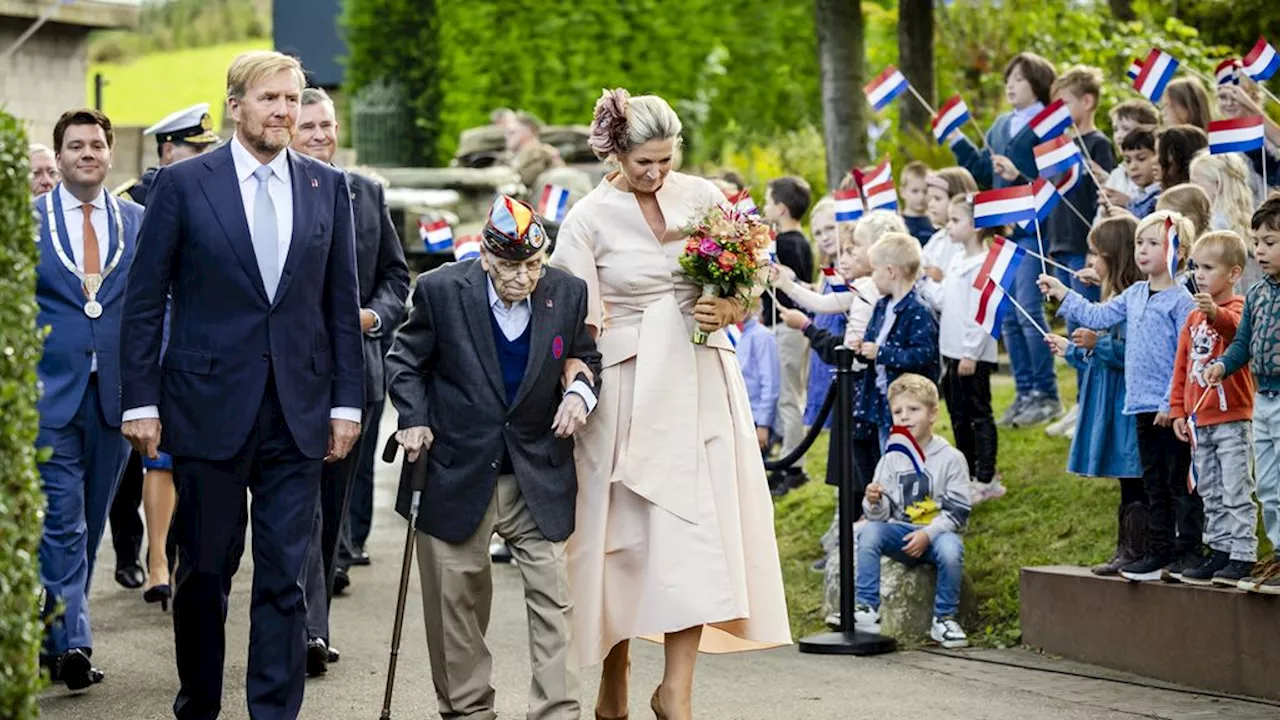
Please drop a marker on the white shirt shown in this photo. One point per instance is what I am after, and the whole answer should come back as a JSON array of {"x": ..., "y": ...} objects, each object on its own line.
[
  {"x": 960, "y": 337},
  {"x": 514, "y": 319},
  {"x": 73, "y": 221}
]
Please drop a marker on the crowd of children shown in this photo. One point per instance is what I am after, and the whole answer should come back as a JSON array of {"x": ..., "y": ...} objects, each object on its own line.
[{"x": 1166, "y": 272}]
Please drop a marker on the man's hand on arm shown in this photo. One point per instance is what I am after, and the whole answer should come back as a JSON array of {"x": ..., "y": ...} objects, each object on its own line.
[
  {"x": 144, "y": 435},
  {"x": 571, "y": 415}
]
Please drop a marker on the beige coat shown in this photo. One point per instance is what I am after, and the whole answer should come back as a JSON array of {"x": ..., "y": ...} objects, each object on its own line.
[{"x": 674, "y": 516}]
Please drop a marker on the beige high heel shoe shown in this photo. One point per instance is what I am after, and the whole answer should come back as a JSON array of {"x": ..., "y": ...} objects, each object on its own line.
[{"x": 655, "y": 704}]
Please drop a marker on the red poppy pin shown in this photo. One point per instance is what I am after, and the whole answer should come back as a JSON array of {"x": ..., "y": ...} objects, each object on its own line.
[{"x": 557, "y": 347}]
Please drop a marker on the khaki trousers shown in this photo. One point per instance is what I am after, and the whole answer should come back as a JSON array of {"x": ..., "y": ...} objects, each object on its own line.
[
  {"x": 457, "y": 591},
  {"x": 793, "y": 361}
]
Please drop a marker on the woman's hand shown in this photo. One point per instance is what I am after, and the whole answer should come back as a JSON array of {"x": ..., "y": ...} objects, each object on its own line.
[
  {"x": 713, "y": 313},
  {"x": 1051, "y": 286}
]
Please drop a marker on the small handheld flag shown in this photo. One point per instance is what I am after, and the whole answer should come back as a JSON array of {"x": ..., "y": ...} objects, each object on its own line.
[
  {"x": 1236, "y": 135},
  {"x": 848, "y": 205},
  {"x": 1193, "y": 475},
  {"x": 1227, "y": 72},
  {"x": 878, "y": 175},
  {"x": 1001, "y": 265},
  {"x": 1046, "y": 195},
  {"x": 834, "y": 281},
  {"x": 992, "y": 305},
  {"x": 1135, "y": 68},
  {"x": 1067, "y": 182},
  {"x": 743, "y": 203},
  {"x": 882, "y": 197},
  {"x": 1157, "y": 71},
  {"x": 950, "y": 117},
  {"x": 436, "y": 235},
  {"x": 1057, "y": 155},
  {"x": 1262, "y": 61},
  {"x": 901, "y": 441},
  {"x": 886, "y": 87},
  {"x": 1051, "y": 121},
  {"x": 993, "y": 208},
  {"x": 466, "y": 248},
  {"x": 554, "y": 203},
  {"x": 734, "y": 332},
  {"x": 1171, "y": 246}
]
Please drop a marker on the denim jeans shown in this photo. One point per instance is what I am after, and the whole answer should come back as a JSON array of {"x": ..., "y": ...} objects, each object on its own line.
[
  {"x": 1029, "y": 356},
  {"x": 1266, "y": 443},
  {"x": 887, "y": 538},
  {"x": 1092, "y": 293}
]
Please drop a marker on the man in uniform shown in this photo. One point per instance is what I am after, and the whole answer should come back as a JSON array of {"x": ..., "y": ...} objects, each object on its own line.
[
  {"x": 384, "y": 287},
  {"x": 183, "y": 134}
]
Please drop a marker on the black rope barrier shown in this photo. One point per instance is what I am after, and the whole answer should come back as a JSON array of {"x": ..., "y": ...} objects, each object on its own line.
[{"x": 815, "y": 430}]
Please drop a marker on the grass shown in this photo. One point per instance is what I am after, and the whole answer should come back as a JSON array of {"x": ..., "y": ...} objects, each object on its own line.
[
  {"x": 1047, "y": 517},
  {"x": 146, "y": 89}
]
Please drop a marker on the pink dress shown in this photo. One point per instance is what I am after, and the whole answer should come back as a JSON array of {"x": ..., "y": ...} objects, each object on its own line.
[{"x": 674, "y": 516}]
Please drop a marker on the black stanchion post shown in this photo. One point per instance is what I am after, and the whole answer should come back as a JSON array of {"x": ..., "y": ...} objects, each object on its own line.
[{"x": 845, "y": 641}]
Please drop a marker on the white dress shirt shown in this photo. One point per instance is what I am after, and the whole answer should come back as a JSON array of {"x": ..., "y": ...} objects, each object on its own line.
[
  {"x": 514, "y": 319},
  {"x": 73, "y": 221},
  {"x": 280, "y": 187}
]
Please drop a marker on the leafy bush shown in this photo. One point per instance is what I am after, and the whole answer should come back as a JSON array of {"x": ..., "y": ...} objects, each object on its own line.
[{"x": 21, "y": 498}]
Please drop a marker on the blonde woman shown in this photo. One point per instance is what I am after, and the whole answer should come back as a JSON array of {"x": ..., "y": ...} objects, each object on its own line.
[
  {"x": 674, "y": 535},
  {"x": 1225, "y": 179}
]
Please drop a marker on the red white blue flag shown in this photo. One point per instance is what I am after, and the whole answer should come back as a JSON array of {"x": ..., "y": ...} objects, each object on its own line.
[
  {"x": 1156, "y": 73},
  {"x": 1051, "y": 121},
  {"x": 1236, "y": 135},
  {"x": 1068, "y": 181},
  {"x": 734, "y": 332},
  {"x": 878, "y": 175},
  {"x": 1046, "y": 194},
  {"x": 1193, "y": 475},
  {"x": 1228, "y": 72},
  {"x": 882, "y": 197},
  {"x": 834, "y": 281},
  {"x": 1171, "y": 246},
  {"x": 436, "y": 235},
  {"x": 1003, "y": 258},
  {"x": 887, "y": 86},
  {"x": 1135, "y": 68},
  {"x": 1262, "y": 61},
  {"x": 901, "y": 441},
  {"x": 1058, "y": 155},
  {"x": 992, "y": 305},
  {"x": 848, "y": 205},
  {"x": 554, "y": 203},
  {"x": 467, "y": 248},
  {"x": 744, "y": 204},
  {"x": 993, "y": 208},
  {"x": 950, "y": 117}
]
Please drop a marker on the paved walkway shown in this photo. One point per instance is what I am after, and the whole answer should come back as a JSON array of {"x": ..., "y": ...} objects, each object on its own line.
[{"x": 135, "y": 647}]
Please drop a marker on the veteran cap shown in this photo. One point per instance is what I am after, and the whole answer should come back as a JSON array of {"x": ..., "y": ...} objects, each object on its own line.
[
  {"x": 513, "y": 231},
  {"x": 191, "y": 125}
]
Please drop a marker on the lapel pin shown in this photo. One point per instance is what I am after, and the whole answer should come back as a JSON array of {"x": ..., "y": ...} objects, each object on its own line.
[
  {"x": 550, "y": 303},
  {"x": 315, "y": 183}
]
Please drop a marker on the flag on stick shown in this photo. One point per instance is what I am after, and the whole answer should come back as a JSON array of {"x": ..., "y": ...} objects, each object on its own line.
[
  {"x": 848, "y": 205},
  {"x": 834, "y": 281},
  {"x": 885, "y": 88},
  {"x": 1227, "y": 72},
  {"x": 882, "y": 197},
  {"x": 1262, "y": 61},
  {"x": 950, "y": 117},
  {"x": 1005, "y": 206},
  {"x": 436, "y": 235},
  {"x": 1003, "y": 258},
  {"x": 466, "y": 248},
  {"x": 991, "y": 308},
  {"x": 1057, "y": 155},
  {"x": 1171, "y": 245},
  {"x": 1051, "y": 121},
  {"x": 1135, "y": 68},
  {"x": 1236, "y": 135},
  {"x": 1157, "y": 71},
  {"x": 554, "y": 203}
]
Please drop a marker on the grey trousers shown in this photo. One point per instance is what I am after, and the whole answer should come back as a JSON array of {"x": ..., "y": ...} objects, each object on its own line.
[
  {"x": 1222, "y": 457},
  {"x": 793, "y": 361}
]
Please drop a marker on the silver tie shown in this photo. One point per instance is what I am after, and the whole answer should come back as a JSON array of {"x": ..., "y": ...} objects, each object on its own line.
[{"x": 265, "y": 233}]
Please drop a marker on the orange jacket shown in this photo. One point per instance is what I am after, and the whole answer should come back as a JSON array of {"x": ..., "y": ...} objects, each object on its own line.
[{"x": 1199, "y": 343}]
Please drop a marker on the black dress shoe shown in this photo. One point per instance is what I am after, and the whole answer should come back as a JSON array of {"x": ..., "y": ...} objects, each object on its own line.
[
  {"x": 317, "y": 657},
  {"x": 75, "y": 670},
  {"x": 131, "y": 576},
  {"x": 334, "y": 655},
  {"x": 499, "y": 552},
  {"x": 341, "y": 581}
]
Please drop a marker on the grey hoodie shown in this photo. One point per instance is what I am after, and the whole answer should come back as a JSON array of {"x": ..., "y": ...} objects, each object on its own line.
[{"x": 938, "y": 501}]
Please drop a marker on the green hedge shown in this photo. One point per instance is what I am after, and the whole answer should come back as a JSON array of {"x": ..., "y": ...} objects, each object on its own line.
[{"x": 21, "y": 499}]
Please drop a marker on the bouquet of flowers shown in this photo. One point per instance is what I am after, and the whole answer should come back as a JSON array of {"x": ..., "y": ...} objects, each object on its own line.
[{"x": 724, "y": 254}]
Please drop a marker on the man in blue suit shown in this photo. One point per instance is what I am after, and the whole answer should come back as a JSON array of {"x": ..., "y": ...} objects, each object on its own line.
[
  {"x": 262, "y": 380},
  {"x": 87, "y": 239}
]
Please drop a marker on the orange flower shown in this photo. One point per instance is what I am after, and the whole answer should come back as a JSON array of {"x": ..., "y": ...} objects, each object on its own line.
[{"x": 727, "y": 260}]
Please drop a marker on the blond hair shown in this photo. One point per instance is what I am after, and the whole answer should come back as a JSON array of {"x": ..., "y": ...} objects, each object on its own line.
[
  {"x": 649, "y": 117},
  {"x": 916, "y": 387},
  {"x": 1228, "y": 245},
  {"x": 876, "y": 224},
  {"x": 897, "y": 250},
  {"x": 1234, "y": 201},
  {"x": 1190, "y": 201},
  {"x": 1080, "y": 80},
  {"x": 255, "y": 66},
  {"x": 1186, "y": 230}
]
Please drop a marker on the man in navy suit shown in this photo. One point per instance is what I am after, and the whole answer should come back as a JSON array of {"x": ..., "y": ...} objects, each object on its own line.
[
  {"x": 261, "y": 382},
  {"x": 87, "y": 239}
]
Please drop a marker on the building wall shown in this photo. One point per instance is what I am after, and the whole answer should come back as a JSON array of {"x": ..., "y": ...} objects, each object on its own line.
[{"x": 45, "y": 77}]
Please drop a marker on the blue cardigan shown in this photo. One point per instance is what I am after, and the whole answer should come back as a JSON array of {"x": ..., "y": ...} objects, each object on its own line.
[{"x": 911, "y": 347}]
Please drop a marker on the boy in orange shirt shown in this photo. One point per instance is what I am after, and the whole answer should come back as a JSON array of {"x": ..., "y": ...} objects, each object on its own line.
[{"x": 1223, "y": 415}]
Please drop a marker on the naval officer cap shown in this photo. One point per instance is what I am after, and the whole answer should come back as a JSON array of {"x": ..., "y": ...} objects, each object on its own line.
[
  {"x": 191, "y": 125},
  {"x": 513, "y": 231}
]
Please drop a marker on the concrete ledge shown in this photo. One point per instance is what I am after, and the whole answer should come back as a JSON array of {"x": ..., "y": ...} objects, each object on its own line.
[
  {"x": 85, "y": 13},
  {"x": 1217, "y": 639}
]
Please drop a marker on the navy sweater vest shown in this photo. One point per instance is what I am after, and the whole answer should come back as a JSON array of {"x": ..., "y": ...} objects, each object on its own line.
[{"x": 513, "y": 358}]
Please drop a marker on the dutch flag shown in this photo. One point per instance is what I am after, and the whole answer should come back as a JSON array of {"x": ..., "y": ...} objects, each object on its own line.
[
  {"x": 1156, "y": 73},
  {"x": 950, "y": 117},
  {"x": 1003, "y": 258},
  {"x": 1068, "y": 181},
  {"x": 1262, "y": 61},
  {"x": 1193, "y": 475},
  {"x": 901, "y": 441},
  {"x": 1005, "y": 206},
  {"x": 436, "y": 235},
  {"x": 1057, "y": 155},
  {"x": 1226, "y": 72},
  {"x": 1046, "y": 195},
  {"x": 834, "y": 281},
  {"x": 735, "y": 333},
  {"x": 887, "y": 86},
  {"x": 1171, "y": 246},
  {"x": 744, "y": 204},
  {"x": 1236, "y": 135},
  {"x": 848, "y": 205},
  {"x": 878, "y": 175},
  {"x": 882, "y": 197},
  {"x": 991, "y": 309},
  {"x": 554, "y": 203},
  {"x": 1135, "y": 69},
  {"x": 1052, "y": 121},
  {"x": 467, "y": 248}
]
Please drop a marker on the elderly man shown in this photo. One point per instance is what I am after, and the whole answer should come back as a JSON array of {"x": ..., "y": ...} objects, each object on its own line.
[
  {"x": 384, "y": 287},
  {"x": 475, "y": 374},
  {"x": 44, "y": 169}
]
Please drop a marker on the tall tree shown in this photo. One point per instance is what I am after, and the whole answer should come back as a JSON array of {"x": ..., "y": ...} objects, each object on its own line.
[
  {"x": 1122, "y": 9},
  {"x": 915, "y": 59},
  {"x": 842, "y": 71}
]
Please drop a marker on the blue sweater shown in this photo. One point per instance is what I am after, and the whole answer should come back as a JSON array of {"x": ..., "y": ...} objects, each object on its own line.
[
  {"x": 1153, "y": 323},
  {"x": 758, "y": 356}
]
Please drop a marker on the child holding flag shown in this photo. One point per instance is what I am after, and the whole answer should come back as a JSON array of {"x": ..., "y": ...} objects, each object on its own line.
[
  {"x": 916, "y": 509},
  {"x": 915, "y": 201},
  {"x": 1105, "y": 442},
  {"x": 1216, "y": 419},
  {"x": 941, "y": 186},
  {"x": 1154, "y": 310},
  {"x": 1009, "y": 159}
]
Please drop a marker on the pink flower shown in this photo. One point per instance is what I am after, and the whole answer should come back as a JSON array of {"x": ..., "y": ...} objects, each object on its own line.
[{"x": 709, "y": 248}]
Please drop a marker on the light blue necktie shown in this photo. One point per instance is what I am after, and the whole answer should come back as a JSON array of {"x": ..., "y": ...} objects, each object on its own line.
[{"x": 265, "y": 241}]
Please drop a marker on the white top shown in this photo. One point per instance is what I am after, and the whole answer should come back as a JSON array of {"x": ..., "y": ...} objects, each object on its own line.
[
  {"x": 73, "y": 222},
  {"x": 938, "y": 252},
  {"x": 1119, "y": 180},
  {"x": 279, "y": 187},
  {"x": 960, "y": 337},
  {"x": 859, "y": 303}
]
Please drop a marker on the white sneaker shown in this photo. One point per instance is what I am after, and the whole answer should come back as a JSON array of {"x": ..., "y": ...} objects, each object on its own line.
[
  {"x": 948, "y": 633},
  {"x": 866, "y": 619},
  {"x": 1059, "y": 428},
  {"x": 981, "y": 492}
]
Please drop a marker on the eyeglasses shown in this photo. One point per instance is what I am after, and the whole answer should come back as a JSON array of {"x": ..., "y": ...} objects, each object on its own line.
[{"x": 531, "y": 268}]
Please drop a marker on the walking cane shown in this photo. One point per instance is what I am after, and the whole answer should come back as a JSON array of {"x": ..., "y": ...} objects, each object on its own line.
[{"x": 418, "y": 482}]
